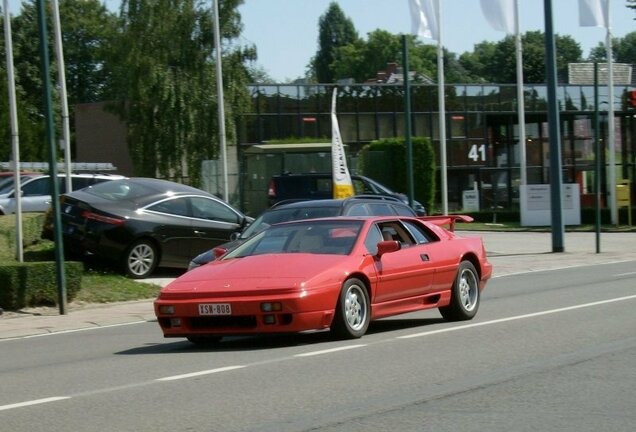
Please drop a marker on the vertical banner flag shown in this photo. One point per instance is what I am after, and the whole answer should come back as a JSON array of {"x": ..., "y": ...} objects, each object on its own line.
[
  {"x": 593, "y": 13},
  {"x": 500, "y": 14},
  {"x": 342, "y": 185},
  {"x": 424, "y": 19}
]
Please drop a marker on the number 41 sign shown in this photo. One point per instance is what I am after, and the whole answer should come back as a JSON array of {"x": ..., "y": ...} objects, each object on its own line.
[{"x": 477, "y": 153}]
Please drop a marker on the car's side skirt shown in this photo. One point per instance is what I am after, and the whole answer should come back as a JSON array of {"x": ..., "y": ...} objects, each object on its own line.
[{"x": 411, "y": 304}]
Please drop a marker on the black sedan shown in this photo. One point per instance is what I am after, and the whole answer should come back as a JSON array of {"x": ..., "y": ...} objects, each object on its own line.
[{"x": 145, "y": 223}]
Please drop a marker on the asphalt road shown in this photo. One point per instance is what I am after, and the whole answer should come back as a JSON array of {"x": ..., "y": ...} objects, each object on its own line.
[{"x": 550, "y": 350}]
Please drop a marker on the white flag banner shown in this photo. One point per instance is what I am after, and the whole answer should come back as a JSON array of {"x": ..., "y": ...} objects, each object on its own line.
[
  {"x": 500, "y": 14},
  {"x": 342, "y": 184},
  {"x": 593, "y": 13},
  {"x": 424, "y": 19}
]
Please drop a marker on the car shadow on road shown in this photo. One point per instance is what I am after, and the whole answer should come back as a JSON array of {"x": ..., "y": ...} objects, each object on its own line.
[{"x": 273, "y": 341}]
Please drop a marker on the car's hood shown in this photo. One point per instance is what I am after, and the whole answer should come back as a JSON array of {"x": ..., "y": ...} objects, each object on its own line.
[{"x": 250, "y": 275}]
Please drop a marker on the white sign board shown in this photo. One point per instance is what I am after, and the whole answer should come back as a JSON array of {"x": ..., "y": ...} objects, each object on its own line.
[
  {"x": 535, "y": 202},
  {"x": 470, "y": 200}
]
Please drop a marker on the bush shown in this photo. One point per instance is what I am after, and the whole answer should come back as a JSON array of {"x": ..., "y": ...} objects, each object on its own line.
[
  {"x": 31, "y": 230},
  {"x": 35, "y": 284}
]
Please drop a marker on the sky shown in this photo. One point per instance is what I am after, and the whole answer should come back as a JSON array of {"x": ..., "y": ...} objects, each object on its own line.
[{"x": 285, "y": 32}]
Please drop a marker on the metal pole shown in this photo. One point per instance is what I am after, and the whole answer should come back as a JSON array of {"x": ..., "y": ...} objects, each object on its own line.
[
  {"x": 442, "y": 111},
  {"x": 554, "y": 133},
  {"x": 15, "y": 137},
  {"x": 61, "y": 77},
  {"x": 407, "y": 120},
  {"x": 220, "y": 100},
  {"x": 50, "y": 135},
  {"x": 611, "y": 133},
  {"x": 521, "y": 110},
  {"x": 597, "y": 164}
]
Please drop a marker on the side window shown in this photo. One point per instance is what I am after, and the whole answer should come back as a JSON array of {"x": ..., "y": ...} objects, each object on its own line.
[
  {"x": 37, "y": 187},
  {"x": 323, "y": 187},
  {"x": 394, "y": 230},
  {"x": 204, "y": 208},
  {"x": 358, "y": 210},
  {"x": 80, "y": 182},
  {"x": 177, "y": 206},
  {"x": 420, "y": 233},
  {"x": 381, "y": 209},
  {"x": 358, "y": 187},
  {"x": 403, "y": 210},
  {"x": 373, "y": 238}
]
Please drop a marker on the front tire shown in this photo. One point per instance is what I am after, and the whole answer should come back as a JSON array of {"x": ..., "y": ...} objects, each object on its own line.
[
  {"x": 464, "y": 294},
  {"x": 353, "y": 311},
  {"x": 140, "y": 259}
]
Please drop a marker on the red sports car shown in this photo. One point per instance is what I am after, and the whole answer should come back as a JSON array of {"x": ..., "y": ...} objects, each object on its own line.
[{"x": 337, "y": 273}]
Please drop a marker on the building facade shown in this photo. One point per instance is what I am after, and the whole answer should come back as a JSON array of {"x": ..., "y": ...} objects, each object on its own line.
[{"x": 483, "y": 145}]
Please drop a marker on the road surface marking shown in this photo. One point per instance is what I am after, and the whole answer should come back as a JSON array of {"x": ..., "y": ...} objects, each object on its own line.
[
  {"x": 519, "y": 317},
  {"x": 196, "y": 374},
  {"x": 33, "y": 402},
  {"x": 82, "y": 329},
  {"x": 328, "y": 351}
]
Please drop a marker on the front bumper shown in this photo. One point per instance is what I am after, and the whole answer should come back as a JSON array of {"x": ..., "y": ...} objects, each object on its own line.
[{"x": 297, "y": 314}]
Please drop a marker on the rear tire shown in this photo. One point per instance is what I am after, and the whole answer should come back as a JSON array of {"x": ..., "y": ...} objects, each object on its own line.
[
  {"x": 353, "y": 311},
  {"x": 140, "y": 259}
]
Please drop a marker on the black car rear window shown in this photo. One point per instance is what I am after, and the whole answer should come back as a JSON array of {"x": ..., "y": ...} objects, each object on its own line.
[{"x": 117, "y": 190}]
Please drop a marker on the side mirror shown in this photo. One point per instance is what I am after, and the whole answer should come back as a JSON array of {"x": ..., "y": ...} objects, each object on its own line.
[
  {"x": 218, "y": 252},
  {"x": 388, "y": 246}
]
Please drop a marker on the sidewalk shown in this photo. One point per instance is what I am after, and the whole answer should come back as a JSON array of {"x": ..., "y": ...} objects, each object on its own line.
[{"x": 509, "y": 252}]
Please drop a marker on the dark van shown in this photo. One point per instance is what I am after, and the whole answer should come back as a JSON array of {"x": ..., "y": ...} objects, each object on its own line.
[{"x": 320, "y": 186}]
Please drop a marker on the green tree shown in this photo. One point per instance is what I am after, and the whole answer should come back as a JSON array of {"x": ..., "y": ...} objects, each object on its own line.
[
  {"x": 87, "y": 29},
  {"x": 623, "y": 50},
  {"x": 165, "y": 83},
  {"x": 495, "y": 61},
  {"x": 362, "y": 59},
  {"x": 335, "y": 30}
]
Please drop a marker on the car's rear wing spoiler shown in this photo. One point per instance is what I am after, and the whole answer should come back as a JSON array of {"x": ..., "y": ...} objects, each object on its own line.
[{"x": 448, "y": 220}]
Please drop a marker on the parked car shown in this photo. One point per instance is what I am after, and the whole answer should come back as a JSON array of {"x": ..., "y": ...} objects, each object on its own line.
[
  {"x": 337, "y": 273},
  {"x": 7, "y": 183},
  {"x": 361, "y": 205},
  {"x": 320, "y": 186},
  {"x": 146, "y": 223},
  {"x": 36, "y": 190}
]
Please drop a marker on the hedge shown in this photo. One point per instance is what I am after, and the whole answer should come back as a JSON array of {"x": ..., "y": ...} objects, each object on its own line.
[
  {"x": 35, "y": 284},
  {"x": 31, "y": 229},
  {"x": 385, "y": 161}
]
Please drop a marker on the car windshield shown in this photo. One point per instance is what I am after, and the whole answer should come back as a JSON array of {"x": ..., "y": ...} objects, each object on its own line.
[
  {"x": 379, "y": 188},
  {"x": 315, "y": 237},
  {"x": 272, "y": 217}
]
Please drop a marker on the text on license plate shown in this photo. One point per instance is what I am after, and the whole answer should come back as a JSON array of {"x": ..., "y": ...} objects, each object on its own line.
[{"x": 215, "y": 309}]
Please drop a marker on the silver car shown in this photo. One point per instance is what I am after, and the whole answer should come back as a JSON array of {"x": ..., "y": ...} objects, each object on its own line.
[{"x": 36, "y": 191}]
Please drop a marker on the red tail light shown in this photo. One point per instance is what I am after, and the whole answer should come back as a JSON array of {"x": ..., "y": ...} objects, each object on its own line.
[
  {"x": 271, "y": 192},
  {"x": 101, "y": 218}
]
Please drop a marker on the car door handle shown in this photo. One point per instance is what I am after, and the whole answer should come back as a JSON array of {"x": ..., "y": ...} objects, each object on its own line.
[
  {"x": 199, "y": 232},
  {"x": 425, "y": 257}
]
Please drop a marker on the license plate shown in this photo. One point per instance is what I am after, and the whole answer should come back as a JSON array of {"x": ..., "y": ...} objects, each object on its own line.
[{"x": 215, "y": 309}]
